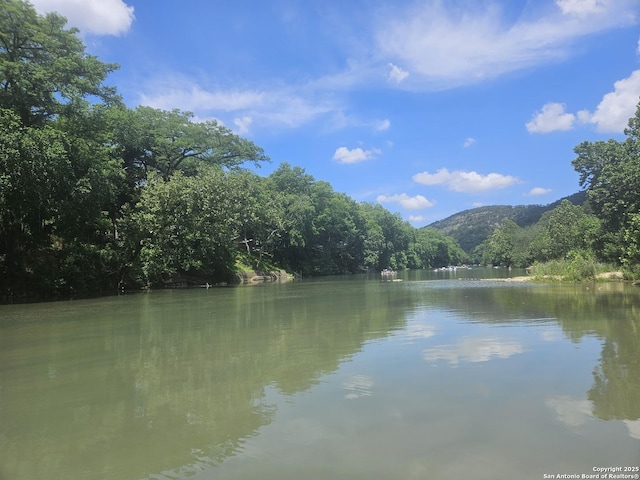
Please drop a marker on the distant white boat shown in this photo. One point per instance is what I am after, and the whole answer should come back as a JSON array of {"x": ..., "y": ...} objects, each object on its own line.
[{"x": 388, "y": 273}]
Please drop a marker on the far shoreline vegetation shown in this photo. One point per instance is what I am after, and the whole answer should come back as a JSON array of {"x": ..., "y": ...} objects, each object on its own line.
[{"x": 96, "y": 197}]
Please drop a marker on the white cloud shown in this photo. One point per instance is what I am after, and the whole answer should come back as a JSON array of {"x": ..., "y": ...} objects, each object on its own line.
[
  {"x": 616, "y": 108},
  {"x": 638, "y": 50},
  {"x": 340, "y": 120},
  {"x": 275, "y": 108},
  {"x": 175, "y": 94},
  {"x": 410, "y": 203},
  {"x": 468, "y": 142},
  {"x": 465, "y": 181},
  {"x": 473, "y": 350},
  {"x": 416, "y": 218},
  {"x": 539, "y": 191},
  {"x": 344, "y": 155},
  {"x": 98, "y": 17},
  {"x": 243, "y": 124},
  {"x": 551, "y": 118},
  {"x": 382, "y": 125},
  {"x": 445, "y": 46},
  {"x": 581, "y": 7},
  {"x": 397, "y": 74}
]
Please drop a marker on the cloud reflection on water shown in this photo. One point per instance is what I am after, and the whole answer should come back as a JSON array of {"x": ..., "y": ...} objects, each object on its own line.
[
  {"x": 575, "y": 413},
  {"x": 571, "y": 412},
  {"x": 473, "y": 350},
  {"x": 634, "y": 428}
]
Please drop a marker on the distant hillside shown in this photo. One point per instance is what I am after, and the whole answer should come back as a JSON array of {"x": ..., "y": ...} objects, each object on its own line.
[{"x": 471, "y": 227}]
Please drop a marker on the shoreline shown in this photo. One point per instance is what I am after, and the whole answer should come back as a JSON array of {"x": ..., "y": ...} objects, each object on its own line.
[{"x": 609, "y": 276}]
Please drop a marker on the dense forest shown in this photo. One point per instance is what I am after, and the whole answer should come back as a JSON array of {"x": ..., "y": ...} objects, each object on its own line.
[{"x": 96, "y": 196}]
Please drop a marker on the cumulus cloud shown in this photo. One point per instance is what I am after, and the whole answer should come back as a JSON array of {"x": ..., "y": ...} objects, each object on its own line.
[
  {"x": 538, "y": 191},
  {"x": 468, "y": 142},
  {"x": 397, "y": 74},
  {"x": 552, "y": 117},
  {"x": 616, "y": 108},
  {"x": 356, "y": 155},
  {"x": 98, "y": 17},
  {"x": 444, "y": 46},
  {"x": 459, "y": 181},
  {"x": 410, "y": 203},
  {"x": 416, "y": 218}
]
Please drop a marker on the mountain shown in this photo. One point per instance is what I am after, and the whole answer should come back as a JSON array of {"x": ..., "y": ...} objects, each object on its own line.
[{"x": 471, "y": 227}]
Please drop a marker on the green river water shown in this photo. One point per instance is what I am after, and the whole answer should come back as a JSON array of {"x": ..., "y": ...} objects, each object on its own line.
[{"x": 437, "y": 376}]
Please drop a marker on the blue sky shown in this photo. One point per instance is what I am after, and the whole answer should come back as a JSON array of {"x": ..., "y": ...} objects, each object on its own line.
[{"x": 429, "y": 107}]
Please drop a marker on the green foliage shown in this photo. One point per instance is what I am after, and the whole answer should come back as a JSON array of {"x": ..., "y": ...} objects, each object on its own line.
[
  {"x": 185, "y": 227},
  {"x": 472, "y": 227},
  {"x": 580, "y": 265},
  {"x": 559, "y": 234},
  {"x": 567, "y": 228},
  {"x": 610, "y": 171},
  {"x": 500, "y": 246},
  {"x": 431, "y": 248},
  {"x": 152, "y": 140},
  {"x": 44, "y": 68}
]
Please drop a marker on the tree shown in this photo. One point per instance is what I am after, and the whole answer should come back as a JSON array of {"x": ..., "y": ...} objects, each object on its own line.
[
  {"x": 610, "y": 172},
  {"x": 569, "y": 228},
  {"x": 163, "y": 141},
  {"x": 290, "y": 188},
  {"x": 500, "y": 246},
  {"x": 431, "y": 248},
  {"x": 44, "y": 69},
  {"x": 396, "y": 233},
  {"x": 35, "y": 178},
  {"x": 56, "y": 173},
  {"x": 631, "y": 253},
  {"x": 186, "y": 227}
]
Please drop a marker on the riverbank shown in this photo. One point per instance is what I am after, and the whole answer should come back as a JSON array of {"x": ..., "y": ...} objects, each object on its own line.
[
  {"x": 615, "y": 276},
  {"x": 253, "y": 276}
]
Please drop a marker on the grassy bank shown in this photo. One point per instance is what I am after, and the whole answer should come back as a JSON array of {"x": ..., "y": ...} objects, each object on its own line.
[{"x": 575, "y": 269}]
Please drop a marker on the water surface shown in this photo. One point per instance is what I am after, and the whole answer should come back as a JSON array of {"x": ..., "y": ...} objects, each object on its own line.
[{"x": 440, "y": 376}]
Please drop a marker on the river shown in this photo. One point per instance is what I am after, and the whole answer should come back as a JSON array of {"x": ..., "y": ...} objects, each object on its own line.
[{"x": 438, "y": 376}]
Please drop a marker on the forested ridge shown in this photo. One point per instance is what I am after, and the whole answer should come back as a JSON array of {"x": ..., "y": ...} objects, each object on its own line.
[
  {"x": 472, "y": 227},
  {"x": 96, "y": 197}
]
